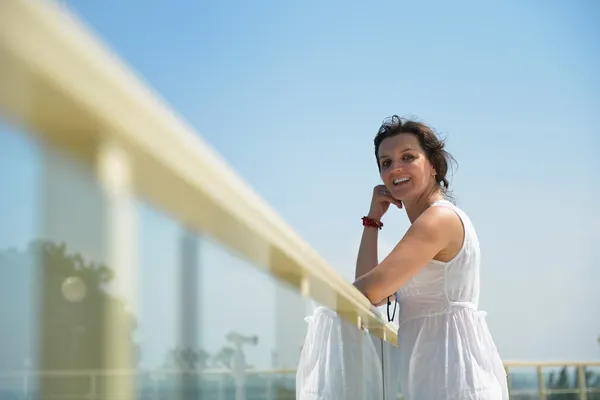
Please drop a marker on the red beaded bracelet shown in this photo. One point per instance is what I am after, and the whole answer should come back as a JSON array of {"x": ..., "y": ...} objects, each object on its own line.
[{"x": 373, "y": 223}]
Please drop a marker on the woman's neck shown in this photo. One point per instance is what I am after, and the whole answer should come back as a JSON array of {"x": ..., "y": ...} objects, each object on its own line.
[{"x": 416, "y": 207}]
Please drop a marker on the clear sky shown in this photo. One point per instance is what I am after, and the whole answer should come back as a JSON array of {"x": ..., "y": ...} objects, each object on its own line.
[{"x": 292, "y": 93}]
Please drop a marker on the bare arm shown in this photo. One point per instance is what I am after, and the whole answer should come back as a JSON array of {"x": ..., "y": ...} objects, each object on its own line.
[
  {"x": 367, "y": 252},
  {"x": 429, "y": 235},
  {"x": 367, "y": 255}
]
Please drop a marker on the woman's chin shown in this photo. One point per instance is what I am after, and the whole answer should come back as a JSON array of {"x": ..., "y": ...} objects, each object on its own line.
[
  {"x": 401, "y": 193},
  {"x": 405, "y": 196}
]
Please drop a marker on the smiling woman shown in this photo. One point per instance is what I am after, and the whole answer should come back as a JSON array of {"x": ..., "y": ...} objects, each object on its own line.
[
  {"x": 419, "y": 143},
  {"x": 446, "y": 349}
]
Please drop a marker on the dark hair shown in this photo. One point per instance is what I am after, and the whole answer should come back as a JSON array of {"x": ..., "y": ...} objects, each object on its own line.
[{"x": 432, "y": 145}]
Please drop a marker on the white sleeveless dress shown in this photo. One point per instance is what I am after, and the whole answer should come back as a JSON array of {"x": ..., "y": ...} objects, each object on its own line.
[{"x": 446, "y": 350}]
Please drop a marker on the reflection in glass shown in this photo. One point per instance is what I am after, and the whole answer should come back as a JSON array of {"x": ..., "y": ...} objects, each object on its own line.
[
  {"x": 88, "y": 311},
  {"x": 210, "y": 323}
]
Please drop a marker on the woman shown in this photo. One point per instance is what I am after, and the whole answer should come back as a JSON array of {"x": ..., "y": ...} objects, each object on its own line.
[{"x": 446, "y": 348}]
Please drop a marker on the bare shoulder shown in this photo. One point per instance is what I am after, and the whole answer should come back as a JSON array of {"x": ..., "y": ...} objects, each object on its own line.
[
  {"x": 443, "y": 225},
  {"x": 439, "y": 224},
  {"x": 439, "y": 219}
]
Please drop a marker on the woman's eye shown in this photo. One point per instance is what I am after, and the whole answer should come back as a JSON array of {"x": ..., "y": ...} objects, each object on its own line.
[
  {"x": 408, "y": 157},
  {"x": 386, "y": 163}
]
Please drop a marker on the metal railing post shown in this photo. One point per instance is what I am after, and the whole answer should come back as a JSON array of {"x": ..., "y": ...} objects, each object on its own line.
[
  {"x": 541, "y": 383},
  {"x": 189, "y": 273},
  {"x": 508, "y": 379},
  {"x": 582, "y": 384},
  {"x": 115, "y": 175}
]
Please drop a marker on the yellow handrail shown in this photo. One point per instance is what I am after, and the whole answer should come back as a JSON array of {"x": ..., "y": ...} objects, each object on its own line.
[{"x": 59, "y": 82}]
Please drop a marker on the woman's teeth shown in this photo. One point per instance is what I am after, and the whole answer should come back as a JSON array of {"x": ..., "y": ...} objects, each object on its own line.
[{"x": 400, "y": 180}]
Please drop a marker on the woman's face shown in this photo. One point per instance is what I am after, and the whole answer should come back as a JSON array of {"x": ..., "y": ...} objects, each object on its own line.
[{"x": 405, "y": 169}]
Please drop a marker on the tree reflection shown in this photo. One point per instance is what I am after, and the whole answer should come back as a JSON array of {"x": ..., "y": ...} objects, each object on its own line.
[{"x": 64, "y": 328}]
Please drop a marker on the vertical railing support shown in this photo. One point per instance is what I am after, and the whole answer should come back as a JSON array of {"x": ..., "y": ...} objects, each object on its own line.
[
  {"x": 582, "y": 384},
  {"x": 114, "y": 172},
  {"x": 541, "y": 383},
  {"x": 188, "y": 310},
  {"x": 508, "y": 379}
]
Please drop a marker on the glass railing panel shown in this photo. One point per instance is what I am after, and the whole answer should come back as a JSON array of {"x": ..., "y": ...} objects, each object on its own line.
[
  {"x": 523, "y": 383},
  {"x": 560, "y": 382},
  {"x": 592, "y": 382},
  {"x": 20, "y": 269},
  {"x": 211, "y": 324},
  {"x": 64, "y": 296},
  {"x": 220, "y": 327}
]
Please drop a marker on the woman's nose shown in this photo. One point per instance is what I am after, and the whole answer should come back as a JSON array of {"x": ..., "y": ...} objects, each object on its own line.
[{"x": 396, "y": 166}]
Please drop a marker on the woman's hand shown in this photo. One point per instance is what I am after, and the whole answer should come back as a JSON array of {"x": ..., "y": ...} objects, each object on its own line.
[{"x": 381, "y": 202}]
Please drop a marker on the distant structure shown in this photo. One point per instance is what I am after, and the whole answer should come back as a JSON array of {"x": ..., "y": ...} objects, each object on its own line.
[{"x": 238, "y": 365}]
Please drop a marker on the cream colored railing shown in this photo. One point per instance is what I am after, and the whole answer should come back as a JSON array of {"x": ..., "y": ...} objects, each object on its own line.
[
  {"x": 60, "y": 84},
  {"x": 576, "y": 382}
]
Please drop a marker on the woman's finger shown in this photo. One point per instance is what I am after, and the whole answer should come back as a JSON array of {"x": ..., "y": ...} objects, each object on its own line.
[
  {"x": 382, "y": 194},
  {"x": 388, "y": 197}
]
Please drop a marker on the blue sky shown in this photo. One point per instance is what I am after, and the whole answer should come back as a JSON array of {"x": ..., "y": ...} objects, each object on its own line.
[{"x": 292, "y": 93}]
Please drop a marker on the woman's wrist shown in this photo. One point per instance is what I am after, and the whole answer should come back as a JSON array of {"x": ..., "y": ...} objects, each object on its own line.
[
  {"x": 373, "y": 214},
  {"x": 370, "y": 222}
]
